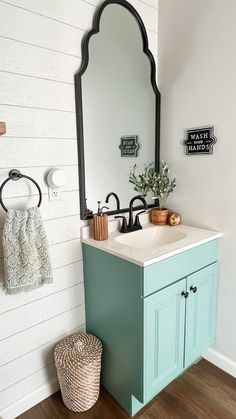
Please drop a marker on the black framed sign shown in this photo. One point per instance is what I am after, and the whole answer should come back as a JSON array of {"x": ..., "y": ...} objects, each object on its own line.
[
  {"x": 200, "y": 140},
  {"x": 129, "y": 146}
]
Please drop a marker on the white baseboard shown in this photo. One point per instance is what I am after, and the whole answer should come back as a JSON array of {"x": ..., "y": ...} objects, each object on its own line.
[
  {"x": 30, "y": 400},
  {"x": 221, "y": 361}
]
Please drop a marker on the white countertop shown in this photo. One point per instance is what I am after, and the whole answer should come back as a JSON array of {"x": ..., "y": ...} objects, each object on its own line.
[{"x": 147, "y": 256}]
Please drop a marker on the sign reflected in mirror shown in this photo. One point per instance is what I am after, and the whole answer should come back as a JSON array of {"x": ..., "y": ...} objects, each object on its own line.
[
  {"x": 129, "y": 146},
  {"x": 117, "y": 107}
]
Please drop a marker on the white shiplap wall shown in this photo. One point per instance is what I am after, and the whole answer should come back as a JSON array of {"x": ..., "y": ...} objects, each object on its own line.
[{"x": 40, "y": 53}]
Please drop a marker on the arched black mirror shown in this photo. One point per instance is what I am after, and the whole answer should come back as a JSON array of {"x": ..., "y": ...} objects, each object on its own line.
[{"x": 117, "y": 106}]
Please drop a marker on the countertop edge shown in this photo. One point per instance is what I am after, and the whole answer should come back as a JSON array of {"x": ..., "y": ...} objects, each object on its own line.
[
  {"x": 182, "y": 249},
  {"x": 155, "y": 259}
]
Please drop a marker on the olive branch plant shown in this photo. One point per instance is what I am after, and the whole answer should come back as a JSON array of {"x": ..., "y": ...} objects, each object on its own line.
[{"x": 158, "y": 182}]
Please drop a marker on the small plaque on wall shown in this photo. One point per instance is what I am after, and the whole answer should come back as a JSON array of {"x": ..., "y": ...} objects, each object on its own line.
[
  {"x": 129, "y": 146},
  {"x": 200, "y": 140}
]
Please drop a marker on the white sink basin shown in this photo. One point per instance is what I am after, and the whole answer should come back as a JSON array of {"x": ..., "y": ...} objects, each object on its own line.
[{"x": 151, "y": 237}]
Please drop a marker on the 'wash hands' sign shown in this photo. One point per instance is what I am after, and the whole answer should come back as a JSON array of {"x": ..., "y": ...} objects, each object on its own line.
[{"x": 200, "y": 140}]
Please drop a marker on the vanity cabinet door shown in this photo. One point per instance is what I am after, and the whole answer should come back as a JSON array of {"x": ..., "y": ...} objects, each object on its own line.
[
  {"x": 200, "y": 312},
  {"x": 164, "y": 321}
]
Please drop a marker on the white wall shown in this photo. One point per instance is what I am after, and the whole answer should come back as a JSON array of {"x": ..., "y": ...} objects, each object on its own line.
[
  {"x": 40, "y": 52},
  {"x": 197, "y": 75}
]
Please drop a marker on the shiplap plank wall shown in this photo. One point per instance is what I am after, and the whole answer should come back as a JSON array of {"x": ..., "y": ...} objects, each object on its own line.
[{"x": 40, "y": 45}]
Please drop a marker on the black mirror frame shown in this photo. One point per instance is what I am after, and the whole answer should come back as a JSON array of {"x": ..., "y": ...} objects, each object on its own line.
[{"x": 78, "y": 100}]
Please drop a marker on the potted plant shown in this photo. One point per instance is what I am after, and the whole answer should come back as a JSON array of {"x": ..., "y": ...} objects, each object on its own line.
[
  {"x": 159, "y": 183},
  {"x": 161, "y": 186}
]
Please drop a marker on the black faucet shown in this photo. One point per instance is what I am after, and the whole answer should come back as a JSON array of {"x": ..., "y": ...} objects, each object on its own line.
[
  {"x": 116, "y": 198},
  {"x": 132, "y": 225}
]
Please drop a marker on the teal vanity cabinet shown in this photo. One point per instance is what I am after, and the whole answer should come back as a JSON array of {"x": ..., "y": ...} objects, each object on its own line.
[
  {"x": 177, "y": 329},
  {"x": 153, "y": 321}
]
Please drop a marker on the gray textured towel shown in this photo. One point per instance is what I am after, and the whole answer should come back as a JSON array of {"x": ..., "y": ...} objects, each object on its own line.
[{"x": 25, "y": 248}]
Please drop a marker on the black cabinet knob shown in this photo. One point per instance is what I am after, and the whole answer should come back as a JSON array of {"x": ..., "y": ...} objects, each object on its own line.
[
  {"x": 194, "y": 289},
  {"x": 185, "y": 294}
]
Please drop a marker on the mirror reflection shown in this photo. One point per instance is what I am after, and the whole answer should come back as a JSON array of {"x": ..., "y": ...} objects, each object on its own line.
[{"x": 119, "y": 109}]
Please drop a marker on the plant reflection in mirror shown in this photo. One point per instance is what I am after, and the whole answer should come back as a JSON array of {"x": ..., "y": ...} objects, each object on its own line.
[{"x": 141, "y": 181}]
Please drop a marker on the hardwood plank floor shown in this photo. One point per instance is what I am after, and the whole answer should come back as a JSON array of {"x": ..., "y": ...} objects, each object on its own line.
[{"x": 202, "y": 392}]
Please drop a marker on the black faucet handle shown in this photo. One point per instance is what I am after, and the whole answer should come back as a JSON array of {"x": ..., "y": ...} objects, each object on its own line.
[
  {"x": 123, "y": 228},
  {"x": 137, "y": 221}
]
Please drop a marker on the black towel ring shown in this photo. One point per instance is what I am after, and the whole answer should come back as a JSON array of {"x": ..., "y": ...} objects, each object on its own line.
[{"x": 15, "y": 174}]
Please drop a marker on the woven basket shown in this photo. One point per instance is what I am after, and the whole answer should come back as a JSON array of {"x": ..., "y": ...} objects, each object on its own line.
[{"x": 78, "y": 364}]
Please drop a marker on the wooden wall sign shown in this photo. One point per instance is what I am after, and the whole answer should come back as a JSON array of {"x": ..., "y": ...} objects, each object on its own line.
[
  {"x": 200, "y": 140},
  {"x": 129, "y": 146}
]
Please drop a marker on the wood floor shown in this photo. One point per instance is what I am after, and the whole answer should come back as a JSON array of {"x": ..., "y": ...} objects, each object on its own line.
[{"x": 203, "y": 392}]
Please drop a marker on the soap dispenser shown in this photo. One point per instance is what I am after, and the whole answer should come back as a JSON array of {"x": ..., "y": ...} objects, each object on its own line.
[{"x": 100, "y": 224}]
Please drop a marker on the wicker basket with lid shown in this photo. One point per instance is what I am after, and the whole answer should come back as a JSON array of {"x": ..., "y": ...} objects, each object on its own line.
[{"x": 78, "y": 364}]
